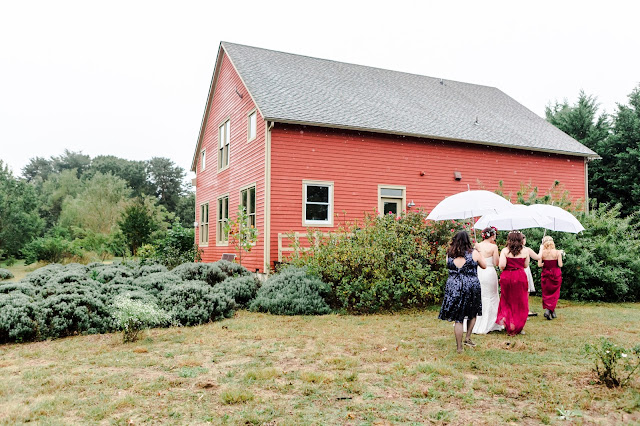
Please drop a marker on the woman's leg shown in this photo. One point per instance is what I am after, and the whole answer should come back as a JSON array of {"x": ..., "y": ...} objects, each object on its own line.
[
  {"x": 470, "y": 323},
  {"x": 457, "y": 330}
]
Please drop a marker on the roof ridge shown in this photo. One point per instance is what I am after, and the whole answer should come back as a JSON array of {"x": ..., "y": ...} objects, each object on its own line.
[{"x": 358, "y": 65}]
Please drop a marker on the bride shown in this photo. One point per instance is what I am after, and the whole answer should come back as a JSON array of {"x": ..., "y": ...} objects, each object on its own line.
[{"x": 488, "y": 283}]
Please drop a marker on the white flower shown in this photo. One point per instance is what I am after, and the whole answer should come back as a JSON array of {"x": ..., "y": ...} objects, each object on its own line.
[
  {"x": 607, "y": 351},
  {"x": 624, "y": 355}
]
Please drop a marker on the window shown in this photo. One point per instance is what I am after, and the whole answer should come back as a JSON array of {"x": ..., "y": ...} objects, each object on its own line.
[
  {"x": 203, "y": 160},
  {"x": 222, "y": 235},
  {"x": 253, "y": 125},
  {"x": 391, "y": 199},
  {"x": 248, "y": 201},
  {"x": 204, "y": 224},
  {"x": 224, "y": 135},
  {"x": 317, "y": 203}
]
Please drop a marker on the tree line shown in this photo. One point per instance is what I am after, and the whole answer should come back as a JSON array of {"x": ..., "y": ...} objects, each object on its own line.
[
  {"x": 105, "y": 205},
  {"x": 615, "y": 178}
]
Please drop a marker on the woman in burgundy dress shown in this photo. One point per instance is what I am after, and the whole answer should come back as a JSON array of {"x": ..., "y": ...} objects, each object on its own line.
[
  {"x": 551, "y": 262},
  {"x": 514, "y": 286}
]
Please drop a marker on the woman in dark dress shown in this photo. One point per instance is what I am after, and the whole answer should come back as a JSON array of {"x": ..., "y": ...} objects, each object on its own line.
[
  {"x": 462, "y": 294},
  {"x": 513, "y": 309},
  {"x": 551, "y": 262}
]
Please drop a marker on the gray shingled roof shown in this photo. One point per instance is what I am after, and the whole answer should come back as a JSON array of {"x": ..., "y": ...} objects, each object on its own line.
[{"x": 300, "y": 89}]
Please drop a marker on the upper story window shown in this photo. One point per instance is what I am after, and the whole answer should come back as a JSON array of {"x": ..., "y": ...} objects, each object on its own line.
[
  {"x": 248, "y": 201},
  {"x": 204, "y": 224},
  {"x": 253, "y": 126},
  {"x": 224, "y": 137},
  {"x": 317, "y": 203},
  {"x": 203, "y": 160}
]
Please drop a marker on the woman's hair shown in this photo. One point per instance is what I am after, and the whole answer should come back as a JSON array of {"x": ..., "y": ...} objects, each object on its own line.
[
  {"x": 460, "y": 245},
  {"x": 515, "y": 242},
  {"x": 548, "y": 244},
  {"x": 488, "y": 232}
]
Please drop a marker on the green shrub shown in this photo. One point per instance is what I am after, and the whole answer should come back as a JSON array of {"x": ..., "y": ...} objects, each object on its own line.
[
  {"x": 195, "y": 302},
  {"x": 150, "y": 269},
  {"x": 614, "y": 365},
  {"x": 241, "y": 289},
  {"x": 5, "y": 274},
  {"x": 134, "y": 316},
  {"x": 382, "y": 263},
  {"x": 18, "y": 318},
  {"x": 50, "y": 249},
  {"x": 157, "y": 282},
  {"x": 108, "y": 273},
  {"x": 207, "y": 272},
  {"x": 21, "y": 287},
  {"x": 177, "y": 247},
  {"x": 231, "y": 269},
  {"x": 293, "y": 291},
  {"x": 69, "y": 309},
  {"x": 41, "y": 276}
]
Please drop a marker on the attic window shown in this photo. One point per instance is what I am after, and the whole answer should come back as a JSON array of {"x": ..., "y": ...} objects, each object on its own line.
[
  {"x": 253, "y": 124},
  {"x": 223, "y": 150},
  {"x": 203, "y": 160}
]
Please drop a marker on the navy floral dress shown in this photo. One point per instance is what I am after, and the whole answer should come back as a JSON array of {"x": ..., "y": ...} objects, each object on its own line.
[{"x": 462, "y": 294}]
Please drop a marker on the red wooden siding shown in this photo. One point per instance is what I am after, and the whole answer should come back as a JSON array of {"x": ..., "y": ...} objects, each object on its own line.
[
  {"x": 358, "y": 162},
  {"x": 246, "y": 162}
]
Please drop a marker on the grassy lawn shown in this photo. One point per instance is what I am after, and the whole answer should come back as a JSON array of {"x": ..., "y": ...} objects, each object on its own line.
[{"x": 380, "y": 369}]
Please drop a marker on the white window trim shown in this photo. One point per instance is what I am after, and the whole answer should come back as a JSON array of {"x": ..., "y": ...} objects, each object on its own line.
[
  {"x": 255, "y": 190},
  {"x": 403, "y": 206},
  {"x": 201, "y": 224},
  {"x": 203, "y": 160},
  {"x": 317, "y": 223},
  {"x": 219, "y": 242},
  {"x": 252, "y": 112},
  {"x": 228, "y": 143}
]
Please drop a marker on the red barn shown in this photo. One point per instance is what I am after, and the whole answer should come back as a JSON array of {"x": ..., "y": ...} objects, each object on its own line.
[{"x": 305, "y": 142}]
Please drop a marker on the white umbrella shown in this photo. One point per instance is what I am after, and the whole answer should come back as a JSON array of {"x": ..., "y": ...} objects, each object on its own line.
[
  {"x": 517, "y": 217},
  {"x": 562, "y": 220},
  {"x": 469, "y": 204}
]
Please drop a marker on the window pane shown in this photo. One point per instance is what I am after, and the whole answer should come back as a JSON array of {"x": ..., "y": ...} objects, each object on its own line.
[
  {"x": 390, "y": 208},
  {"x": 252, "y": 126},
  {"x": 226, "y": 156},
  {"x": 243, "y": 196},
  {"x": 252, "y": 220},
  {"x": 317, "y": 212},
  {"x": 391, "y": 192},
  {"x": 317, "y": 194},
  {"x": 227, "y": 132},
  {"x": 252, "y": 200},
  {"x": 225, "y": 201},
  {"x": 219, "y": 209},
  {"x": 221, "y": 136}
]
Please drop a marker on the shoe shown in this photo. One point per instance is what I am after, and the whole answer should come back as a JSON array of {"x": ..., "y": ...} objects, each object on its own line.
[
  {"x": 553, "y": 315},
  {"x": 468, "y": 342},
  {"x": 547, "y": 314},
  {"x": 533, "y": 314}
]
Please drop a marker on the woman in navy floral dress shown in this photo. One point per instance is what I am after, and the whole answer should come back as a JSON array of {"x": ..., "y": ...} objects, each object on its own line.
[{"x": 462, "y": 294}]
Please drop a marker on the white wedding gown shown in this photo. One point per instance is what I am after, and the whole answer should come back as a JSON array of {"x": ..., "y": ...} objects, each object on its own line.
[{"x": 490, "y": 299}]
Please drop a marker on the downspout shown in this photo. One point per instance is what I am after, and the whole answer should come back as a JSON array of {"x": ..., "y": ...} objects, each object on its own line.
[{"x": 267, "y": 196}]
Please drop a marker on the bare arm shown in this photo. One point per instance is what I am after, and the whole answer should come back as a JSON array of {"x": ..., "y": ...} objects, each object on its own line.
[
  {"x": 560, "y": 258},
  {"x": 496, "y": 255},
  {"x": 533, "y": 254},
  {"x": 477, "y": 256},
  {"x": 503, "y": 259},
  {"x": 526, "y": 261}
]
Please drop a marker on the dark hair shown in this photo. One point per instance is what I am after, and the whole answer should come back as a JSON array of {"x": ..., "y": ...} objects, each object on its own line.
[
  {"x": 488, "y": 232},
  {"x": 515, "y": 242},
  {"x": 460, "y": 245}
]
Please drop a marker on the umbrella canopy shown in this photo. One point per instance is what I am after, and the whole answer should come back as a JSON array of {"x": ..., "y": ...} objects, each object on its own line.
[
  {"x": 517, "y": 217},
  {"x": 469, "y": 204},
  {"x": 562, "y": 220}
]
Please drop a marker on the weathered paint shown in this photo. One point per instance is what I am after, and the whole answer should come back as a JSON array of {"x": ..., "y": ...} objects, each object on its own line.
[
  {"x": 246, "y": 162},
  {"x": 358, "y": 162}
]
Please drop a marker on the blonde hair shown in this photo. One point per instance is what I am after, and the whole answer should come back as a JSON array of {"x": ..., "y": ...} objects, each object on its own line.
[{"x": 548, "y": 244}]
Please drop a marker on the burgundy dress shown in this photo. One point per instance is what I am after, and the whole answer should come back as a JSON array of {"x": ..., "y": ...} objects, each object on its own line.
[
  {"x": 513, "y": 309},
  {"x": 551, "y": 281}
]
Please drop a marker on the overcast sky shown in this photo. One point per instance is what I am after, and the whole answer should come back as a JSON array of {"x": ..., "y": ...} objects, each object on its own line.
[{"x": 130, "y": 78}]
